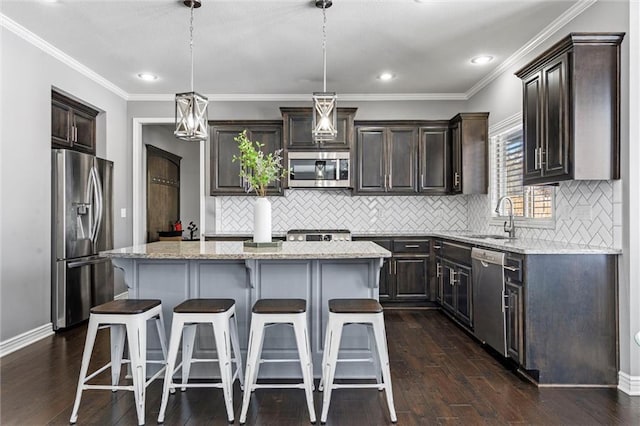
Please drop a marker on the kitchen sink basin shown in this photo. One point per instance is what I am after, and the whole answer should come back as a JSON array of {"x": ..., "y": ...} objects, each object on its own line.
[{"x": 489, "y": 237}]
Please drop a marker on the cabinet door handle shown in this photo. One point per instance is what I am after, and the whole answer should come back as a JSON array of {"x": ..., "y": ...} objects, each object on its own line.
[
  {"x": 505, "y": 302},
  {"x": 390, "y": 183},
  {"x": 535, "y": 159},
  {"x": 452, "y": 278},
  {"x": 412, "y": 246},
  {"x": 542, "y": 152},
  {"x": 437, "y": 247},
  {"x": 438, "y": 270},
  {"x": 456, "y": 179},
  {"x": 395, "y": 267},
  {"x": 511, "y": 268},
  {"x": 422, "y": 180}
]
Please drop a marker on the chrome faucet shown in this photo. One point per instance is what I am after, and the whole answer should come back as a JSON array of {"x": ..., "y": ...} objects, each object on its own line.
[{"x": 511, "y": 229}]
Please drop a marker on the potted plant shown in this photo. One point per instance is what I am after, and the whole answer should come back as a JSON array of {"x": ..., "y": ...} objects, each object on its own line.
[{"x": 258, "y": 170}]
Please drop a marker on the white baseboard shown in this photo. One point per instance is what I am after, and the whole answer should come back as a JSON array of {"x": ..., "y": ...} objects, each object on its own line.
[
  {"x": 124, "y": 295},
  {"x": 20, "y": 341},
  {"x": 629, "y": 384}
]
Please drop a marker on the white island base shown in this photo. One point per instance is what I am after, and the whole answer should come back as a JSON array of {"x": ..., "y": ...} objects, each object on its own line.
[{"x": 315, "y": 272}]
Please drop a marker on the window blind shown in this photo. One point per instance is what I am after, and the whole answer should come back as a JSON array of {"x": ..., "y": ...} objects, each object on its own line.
[{"x": 534, "y": 202}]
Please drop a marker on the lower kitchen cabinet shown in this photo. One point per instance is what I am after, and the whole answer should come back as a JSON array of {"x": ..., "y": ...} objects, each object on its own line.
[
  {"x": 514, "y": 323},
  {"x": 454, "y": 283},
  {"x": 404, "y": 277}
]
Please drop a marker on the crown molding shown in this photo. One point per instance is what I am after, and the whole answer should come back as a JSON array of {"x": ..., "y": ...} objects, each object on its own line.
[
  {"x": 508, "y": 123},
  {"x": 47, "y": 47},
  {"x": 304, "y": 97},
  {"x": 536, "y": 41}
]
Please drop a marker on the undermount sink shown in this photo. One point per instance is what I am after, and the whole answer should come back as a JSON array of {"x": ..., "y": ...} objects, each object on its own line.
[{"x": 489, "y": 237}]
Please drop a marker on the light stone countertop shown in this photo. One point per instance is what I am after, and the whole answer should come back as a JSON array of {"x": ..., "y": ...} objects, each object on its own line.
[
  {"x": 518, "y": 245},
  {"x": 235, "y": 250}
]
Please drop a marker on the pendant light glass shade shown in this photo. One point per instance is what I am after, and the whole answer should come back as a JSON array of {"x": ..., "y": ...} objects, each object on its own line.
[
  {"x": 325, "y": 111},
  {"x": 325, "y": 117},
  {"x": 191, "y": 107},
  {"x": 191, "y": 117}
]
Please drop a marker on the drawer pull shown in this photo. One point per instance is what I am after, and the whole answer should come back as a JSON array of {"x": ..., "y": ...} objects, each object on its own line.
[
  {"x": 437, "y": 247},
  {"x": 412, "y": 246}
]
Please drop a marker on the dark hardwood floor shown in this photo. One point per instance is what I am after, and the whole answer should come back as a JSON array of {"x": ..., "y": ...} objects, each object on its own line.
[{"x": 440, "y": 376}]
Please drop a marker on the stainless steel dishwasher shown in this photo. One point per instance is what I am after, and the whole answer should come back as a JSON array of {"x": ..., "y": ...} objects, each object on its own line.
[{"x": 488, "y": 298}]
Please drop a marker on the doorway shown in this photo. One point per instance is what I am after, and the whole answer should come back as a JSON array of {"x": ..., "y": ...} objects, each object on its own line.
[{"x": 163, "y": 191}]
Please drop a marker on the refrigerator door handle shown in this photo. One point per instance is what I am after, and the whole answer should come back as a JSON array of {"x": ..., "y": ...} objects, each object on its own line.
[
  {"x": 97, "y": 195},
  {"x": 88, "y": 261}
]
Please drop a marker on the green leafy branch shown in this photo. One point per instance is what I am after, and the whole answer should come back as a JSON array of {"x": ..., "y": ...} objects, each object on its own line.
[{"x": 256, "y": 168}]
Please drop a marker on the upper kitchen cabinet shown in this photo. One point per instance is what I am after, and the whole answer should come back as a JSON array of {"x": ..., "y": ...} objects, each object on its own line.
[
  {"x": 433, "y": 158},
  {"x": 225, "y": 173},
  {"x": 469, "y": 136},
  {"x": 571, "y": 110},
  {"x": 386, "y": 159},
  {"x": 297, "y": 123},
  {"x": 73, "y": 124}
]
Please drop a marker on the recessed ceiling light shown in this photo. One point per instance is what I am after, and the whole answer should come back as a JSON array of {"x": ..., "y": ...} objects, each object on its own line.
[
  {"x": 147, "y": 76},
  {"x": 482, "y": 59},
  {"x": 386, "y": 76}
]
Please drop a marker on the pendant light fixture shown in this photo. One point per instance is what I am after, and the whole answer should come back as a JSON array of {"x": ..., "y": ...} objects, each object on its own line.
[
  {"x": 325, "y": 113},
  {"x": 191, "y": 107}
]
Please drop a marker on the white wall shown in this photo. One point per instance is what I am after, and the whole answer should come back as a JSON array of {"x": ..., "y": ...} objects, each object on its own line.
[
  {"x": 503, "y": 98},
  {"x": 161, "y": 136},
  {"x": 28, "y": 75}
]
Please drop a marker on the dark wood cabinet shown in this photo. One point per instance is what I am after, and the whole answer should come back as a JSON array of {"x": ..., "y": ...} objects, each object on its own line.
[
  {"x": 513, "y": 306},
  {"x": 225, "y": 173},
  {"x": 404, "y": 277},
  {"x": 571, "y": 110},
  {"x": 454, "y": 288},
  {"x": 297, "y": 126},
  {"x": 73, "y": 124},
  {"x": 386, "y": 159},
  {"x": 434, "y": 159},
  {"x": 469, "y": 153}
]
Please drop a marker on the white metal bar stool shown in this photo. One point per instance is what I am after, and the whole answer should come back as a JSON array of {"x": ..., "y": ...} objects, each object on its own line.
[
  {"x": 354, "y": 311},
  {"x": 124, "y": 317},
  {"x": 221, "y": 314},
  {"x": 268, "y": 312}
]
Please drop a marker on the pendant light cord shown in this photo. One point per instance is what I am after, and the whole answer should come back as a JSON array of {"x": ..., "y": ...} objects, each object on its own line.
[
  {"x": 191, "y": 42},
  {"x": 324, "y": 47}
]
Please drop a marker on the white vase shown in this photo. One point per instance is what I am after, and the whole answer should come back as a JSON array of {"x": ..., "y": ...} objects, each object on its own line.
[{"x": 262, "y": 220}]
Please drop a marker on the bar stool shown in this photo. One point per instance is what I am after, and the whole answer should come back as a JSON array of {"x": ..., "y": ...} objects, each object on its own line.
[
  {"x": 354, "y": 311},
  {"x": 221, "y": 314},
  {"x": 267, "y": 312},
  {"x": 124, "y": 317}
]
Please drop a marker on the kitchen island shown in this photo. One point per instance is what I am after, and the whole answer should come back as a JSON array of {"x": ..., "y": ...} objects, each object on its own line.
[{"x": 174, "y": 271}]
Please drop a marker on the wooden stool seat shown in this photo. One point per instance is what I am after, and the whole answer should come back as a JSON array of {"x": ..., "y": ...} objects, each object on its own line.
[
  {"x": 204, "y": 306},
  {"x": 279, "y": 306},
  {"x": 271, "y": 312},
  {"x": 355, "y": 306},
  {"x": 125, "y": 307}
]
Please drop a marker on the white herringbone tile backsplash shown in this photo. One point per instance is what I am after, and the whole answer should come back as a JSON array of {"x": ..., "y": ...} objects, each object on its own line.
[
  {"x": 307, "y": 209},
  {"x": 584, "y": 215}
]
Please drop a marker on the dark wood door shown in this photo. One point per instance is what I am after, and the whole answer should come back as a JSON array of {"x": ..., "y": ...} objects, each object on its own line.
[
  {"x": 448, "y": 300},
  {"x": 555, "y": 154},
  {"x": 402, "y": 159},
  {"x": 163, "y": 191},
  {"x": 438, "y": 279},
  {"x": 225, "y": 173},
  {"x": 456, "y": 157},
  {"x": 85, "y": 129},
  {"x": 463, "y": 303},
  {"x": 532, "y": 101},
  {"x": 514, "y": 323},
  {"x": 433, "y": 152},
  {"x": 371, "y": 176},
  {"x": 386, "y": 283},
  {"x": 60, "y": 124},
  {"x": 411, "y": 276}
]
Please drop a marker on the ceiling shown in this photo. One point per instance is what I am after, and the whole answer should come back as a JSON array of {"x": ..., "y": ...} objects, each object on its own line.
[{"x": 274, "y": 48}]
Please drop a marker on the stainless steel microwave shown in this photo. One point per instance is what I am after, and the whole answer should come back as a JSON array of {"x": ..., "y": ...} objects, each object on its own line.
[{"x": 318, "y": 169}]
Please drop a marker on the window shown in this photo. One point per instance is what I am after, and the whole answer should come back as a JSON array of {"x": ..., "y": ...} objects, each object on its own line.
[{"x": 531, "y": 204}]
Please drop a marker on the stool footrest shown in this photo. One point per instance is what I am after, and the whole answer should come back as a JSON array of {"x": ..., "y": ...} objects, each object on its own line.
[
  {"x": 219, "y": 385},
  {"x": 278, "y": 386},
  {"x": 265, "y": 361},
  {"x": 356, "y": 385},
  {"x": 108, "y": 387}
]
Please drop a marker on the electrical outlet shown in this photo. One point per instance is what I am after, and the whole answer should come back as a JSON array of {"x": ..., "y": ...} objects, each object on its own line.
[{"x": 123, "y": 212}]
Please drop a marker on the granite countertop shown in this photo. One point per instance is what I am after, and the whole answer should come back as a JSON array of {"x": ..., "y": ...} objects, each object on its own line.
[
  {"x": 235, "y": 250},
  {"x": 518, "y": 245}
]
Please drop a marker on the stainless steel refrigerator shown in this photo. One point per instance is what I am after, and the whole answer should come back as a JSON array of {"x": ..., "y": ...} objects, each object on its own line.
[{"x": 82, "y": 226}]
